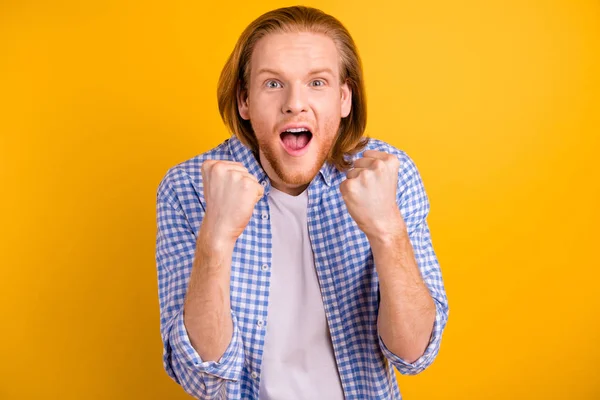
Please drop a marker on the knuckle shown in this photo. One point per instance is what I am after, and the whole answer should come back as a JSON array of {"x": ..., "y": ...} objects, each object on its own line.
[
  {"x": 247, "y": 183},
  {"x": 350, "y": 186},
  {"x": 236, "y": 175},
  {"x": 218, "y": 166},
  {"x": 206, "y": 164},
  {"x": 378, "y": 165},
  {"x": 366, "y": 176}
]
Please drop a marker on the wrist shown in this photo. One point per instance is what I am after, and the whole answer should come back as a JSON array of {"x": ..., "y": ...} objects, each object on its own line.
[
  {"x": 388, "y": 231},
  {"x": 212, "y": 241}
]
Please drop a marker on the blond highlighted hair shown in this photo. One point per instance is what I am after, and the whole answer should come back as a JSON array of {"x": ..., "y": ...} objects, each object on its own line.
[{"x": 236, "y": 72}]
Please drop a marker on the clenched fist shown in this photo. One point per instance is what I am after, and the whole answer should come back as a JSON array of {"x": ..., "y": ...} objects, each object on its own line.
[
  {"x": 231, "y": 193},
  {"x": 370, "y": 193}
]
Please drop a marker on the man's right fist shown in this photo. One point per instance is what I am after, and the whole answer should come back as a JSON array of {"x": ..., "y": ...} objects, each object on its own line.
[{"x": 231, "y": 193}]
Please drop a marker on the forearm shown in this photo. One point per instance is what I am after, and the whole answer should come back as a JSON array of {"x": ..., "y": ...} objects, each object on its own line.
[
  {"x": 207, "y": 308},
  {"x": 406, "y": 309}
]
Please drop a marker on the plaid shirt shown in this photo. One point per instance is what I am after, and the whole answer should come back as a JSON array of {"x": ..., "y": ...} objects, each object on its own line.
[{"x": 344, "y": 266}]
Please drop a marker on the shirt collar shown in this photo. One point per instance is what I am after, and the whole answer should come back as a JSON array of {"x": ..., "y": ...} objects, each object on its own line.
[{"x": 246, "y": 157}]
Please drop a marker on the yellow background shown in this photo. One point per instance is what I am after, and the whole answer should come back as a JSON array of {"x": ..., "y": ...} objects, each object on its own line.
[{"x": 497, "y": 102}]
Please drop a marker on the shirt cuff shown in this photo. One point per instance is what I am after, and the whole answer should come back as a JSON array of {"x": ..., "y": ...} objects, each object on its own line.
[
  {"x": 429, "y": 354},
  {"x": 229, "y": 366}
]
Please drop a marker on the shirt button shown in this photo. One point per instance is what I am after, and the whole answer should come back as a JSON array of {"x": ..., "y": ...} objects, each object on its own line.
[
  {"x": 260, "y": 322},
  {"x": 264, "y": 183},
  {"x": 265, "y": 267},
  {"x": 254, "y": 375},
  {"x": 265, "y": 215}
]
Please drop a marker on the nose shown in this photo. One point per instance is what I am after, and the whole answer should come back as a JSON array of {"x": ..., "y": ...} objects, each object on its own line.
[{"x": 295, "y": 100}]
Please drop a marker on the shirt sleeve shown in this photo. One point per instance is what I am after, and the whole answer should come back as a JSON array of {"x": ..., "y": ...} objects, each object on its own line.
[
  {"x": 175, "y": 249},
  {"x": 414, "y": 206}
]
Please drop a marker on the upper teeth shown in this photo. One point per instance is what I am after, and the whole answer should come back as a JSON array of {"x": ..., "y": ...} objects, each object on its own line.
[{"x": 293, "y": 130}]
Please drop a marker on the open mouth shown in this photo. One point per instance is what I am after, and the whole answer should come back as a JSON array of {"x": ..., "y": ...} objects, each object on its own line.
[{"x": 296, "y": 139}]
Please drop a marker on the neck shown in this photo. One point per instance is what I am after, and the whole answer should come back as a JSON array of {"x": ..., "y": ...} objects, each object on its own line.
[{"x": 288, "y": 189}]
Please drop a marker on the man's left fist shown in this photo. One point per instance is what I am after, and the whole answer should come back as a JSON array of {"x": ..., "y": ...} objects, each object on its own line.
[{"x": 370, "y": 193}]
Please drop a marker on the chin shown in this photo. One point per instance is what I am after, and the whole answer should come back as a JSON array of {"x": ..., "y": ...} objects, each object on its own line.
[
  {"x": 294, "y": 170},
  {"x": 297, "y": 176}
]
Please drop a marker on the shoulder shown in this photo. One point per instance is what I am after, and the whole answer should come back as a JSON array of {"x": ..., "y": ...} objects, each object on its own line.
[{"x": 185, "y": 177}]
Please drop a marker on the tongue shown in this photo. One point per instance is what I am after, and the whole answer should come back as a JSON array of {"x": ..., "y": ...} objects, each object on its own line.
[{"x": 295, "y": 141}]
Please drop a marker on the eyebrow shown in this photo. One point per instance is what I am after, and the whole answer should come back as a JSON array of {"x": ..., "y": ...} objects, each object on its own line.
[{"x": 313, "y": 72}]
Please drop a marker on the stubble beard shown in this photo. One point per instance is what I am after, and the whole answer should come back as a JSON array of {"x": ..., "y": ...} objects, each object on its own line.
[{"x": 291, "y": 176}]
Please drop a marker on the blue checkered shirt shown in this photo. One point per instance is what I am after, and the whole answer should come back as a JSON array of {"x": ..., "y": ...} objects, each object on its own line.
[{"x": 344, "y": 265}]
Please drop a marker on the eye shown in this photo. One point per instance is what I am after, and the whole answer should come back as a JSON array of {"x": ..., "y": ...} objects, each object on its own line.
[
  {"x": 318, "y": 83},
  {"x": 272, "y": 84}
]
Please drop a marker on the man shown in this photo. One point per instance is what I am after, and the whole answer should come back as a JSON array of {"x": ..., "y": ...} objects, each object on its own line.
[{"x": 294, "y": 260}]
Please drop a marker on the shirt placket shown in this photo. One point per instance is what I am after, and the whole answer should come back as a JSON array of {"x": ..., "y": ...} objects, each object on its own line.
[
  {"x": 318, "y": 233},
  {"x": 262, "y": 220}
]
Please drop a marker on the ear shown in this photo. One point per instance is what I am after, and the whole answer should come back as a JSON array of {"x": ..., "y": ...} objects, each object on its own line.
[
  {"x": 346, "y": 104},
  {"x": 242, "y": 102}
]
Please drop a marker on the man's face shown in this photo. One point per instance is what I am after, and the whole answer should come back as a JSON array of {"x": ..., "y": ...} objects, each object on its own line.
[{"x": 294, "y": 84}]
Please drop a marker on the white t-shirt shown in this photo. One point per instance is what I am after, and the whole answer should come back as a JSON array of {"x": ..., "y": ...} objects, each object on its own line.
[{"x": 298, "y": 360}]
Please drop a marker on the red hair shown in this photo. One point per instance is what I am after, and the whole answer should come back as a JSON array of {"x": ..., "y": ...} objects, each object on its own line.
[{"x": 235, "y": 74}]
